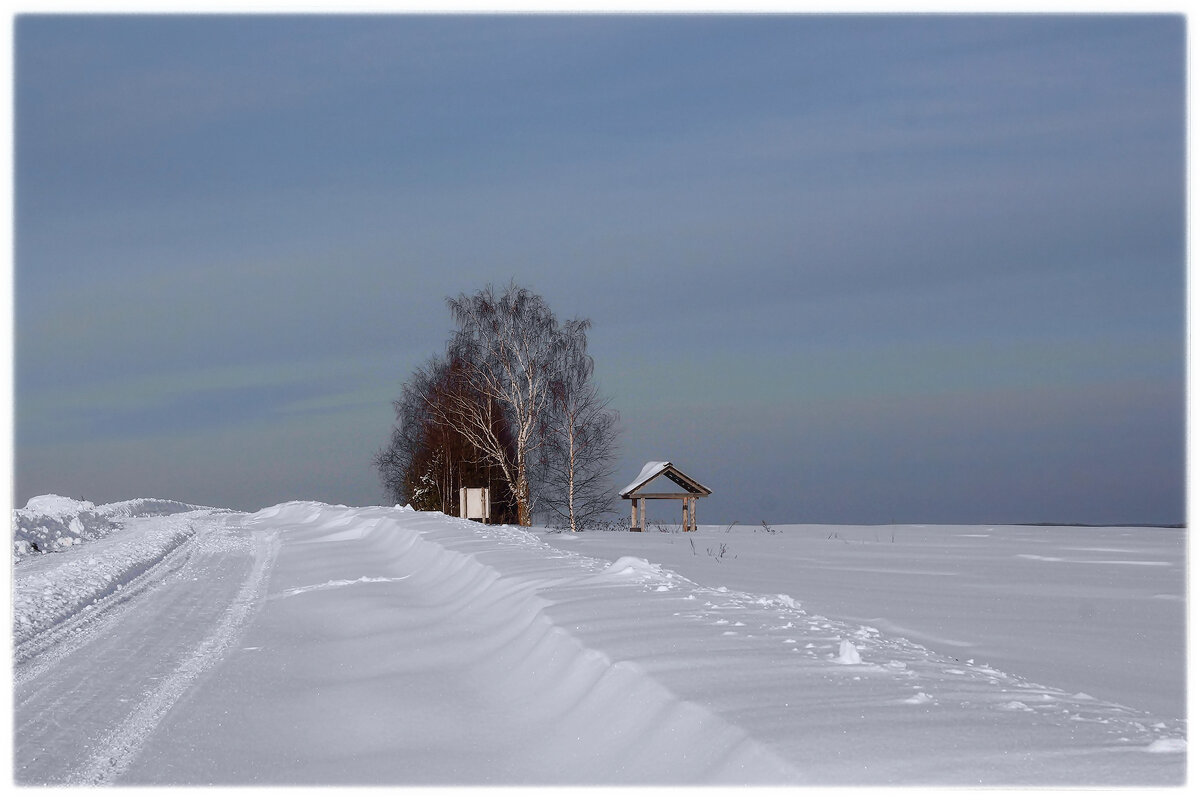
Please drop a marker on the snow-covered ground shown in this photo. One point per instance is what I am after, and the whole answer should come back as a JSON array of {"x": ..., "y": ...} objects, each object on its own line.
[
  {"x": 316, "y": 644},
  {"x": 1099, "y": 610}
]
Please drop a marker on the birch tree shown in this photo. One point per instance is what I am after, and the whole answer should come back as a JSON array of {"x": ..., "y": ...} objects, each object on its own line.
[
  {"x": 580, "y": 437},
  {"x": 513, "y": 395},
  {"x": 509, "y": 346}
]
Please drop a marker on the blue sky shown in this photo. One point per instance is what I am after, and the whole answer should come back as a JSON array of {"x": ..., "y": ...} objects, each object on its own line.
[{"x": 840, "y": 269}]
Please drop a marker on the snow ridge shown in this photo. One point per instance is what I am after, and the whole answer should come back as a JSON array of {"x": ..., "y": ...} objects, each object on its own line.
[
  {"x": 52, "y": 524},
  {"x": 571, "y": 712}
]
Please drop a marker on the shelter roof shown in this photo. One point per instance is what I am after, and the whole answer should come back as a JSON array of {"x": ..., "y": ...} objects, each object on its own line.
[{"x": 653, "y": 469}]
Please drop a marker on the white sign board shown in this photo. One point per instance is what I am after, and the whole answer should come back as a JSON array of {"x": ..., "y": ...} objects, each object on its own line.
[{"x": 474, "y": 504}]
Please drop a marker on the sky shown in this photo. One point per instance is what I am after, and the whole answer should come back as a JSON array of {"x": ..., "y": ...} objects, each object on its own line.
[{"x": 863, "y": 269}]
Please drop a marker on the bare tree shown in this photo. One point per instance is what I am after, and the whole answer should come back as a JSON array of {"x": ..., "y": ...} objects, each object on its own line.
[
  {"x": 513, "y": 395},
  {"x": 509, "y": 346},
  {"x": 580, "y": 434},
  {"x": 400, "y": 463}
]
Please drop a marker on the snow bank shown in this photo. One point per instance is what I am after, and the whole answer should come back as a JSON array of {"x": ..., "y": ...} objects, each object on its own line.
[
  {"x": 51, "y": 523},
  {"x": 150, "y": 507},
  {"x": 52, "y": 505},
  {"x": 97, "y": 550}
]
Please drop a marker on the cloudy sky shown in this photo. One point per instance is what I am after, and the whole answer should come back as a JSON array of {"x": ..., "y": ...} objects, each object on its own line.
[{"x": 840, "y": 269}]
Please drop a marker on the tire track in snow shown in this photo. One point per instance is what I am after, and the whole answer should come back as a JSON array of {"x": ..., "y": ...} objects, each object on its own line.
[
  {"x": 33, "y": 657},
  {"x": 40, "y": 625},
  {"x": 121, "y": 747}
]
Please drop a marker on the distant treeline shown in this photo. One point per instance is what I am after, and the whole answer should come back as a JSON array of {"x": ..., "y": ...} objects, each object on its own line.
[{"x": 1095, "y": 524}]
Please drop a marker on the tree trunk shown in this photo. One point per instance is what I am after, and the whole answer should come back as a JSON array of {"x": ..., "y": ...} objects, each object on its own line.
[
  {"x": 524, "y": 519},
  {"x": 571, "y": 473}
]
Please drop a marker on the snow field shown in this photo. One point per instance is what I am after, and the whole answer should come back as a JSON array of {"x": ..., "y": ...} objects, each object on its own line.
[
  {"x": 1081, "y": 616},
  {"x": 386, "y": 646},
  {"x": 847, "y": 704}
]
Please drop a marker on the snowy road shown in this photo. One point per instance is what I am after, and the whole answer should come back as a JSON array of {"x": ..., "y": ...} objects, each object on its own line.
[
  {"x": 314, "y": 644},
  {"x": 88, "y": 694}
]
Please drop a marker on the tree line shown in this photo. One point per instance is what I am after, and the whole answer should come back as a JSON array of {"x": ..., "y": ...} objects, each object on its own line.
[{"x": 512, "y": 405}]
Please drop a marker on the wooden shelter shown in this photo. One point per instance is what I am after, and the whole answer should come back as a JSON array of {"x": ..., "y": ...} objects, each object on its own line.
[{"x": 640, "y": 491}]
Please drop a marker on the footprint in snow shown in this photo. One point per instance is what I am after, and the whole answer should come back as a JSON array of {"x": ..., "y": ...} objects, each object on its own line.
[
  {"x": 847, "y": 654},
  {"x": 1014, "y": 705},
  {"x": 918, "y": 699},
  {"x": 1171, "y": 745}
]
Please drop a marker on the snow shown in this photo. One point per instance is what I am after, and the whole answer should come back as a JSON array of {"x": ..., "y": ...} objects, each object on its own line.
[
  {"x": 309, "y": 644},
  {"x": 650, "y": 469},
  {"x": 52, "y": 523},
  {"x": 1103, "y": 626},
  {"x": 847, "y": 653},
  {"x": 52, "y": 505},
  {"x": 59, "y": 585}
]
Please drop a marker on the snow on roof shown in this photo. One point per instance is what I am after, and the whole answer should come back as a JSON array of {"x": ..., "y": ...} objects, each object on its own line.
[
  {"x": 655, "y": 468},
  {"x": 651, "y": 469}
]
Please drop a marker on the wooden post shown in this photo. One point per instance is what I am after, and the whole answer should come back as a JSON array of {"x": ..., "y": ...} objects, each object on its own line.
[
  {"x": 692, "y": 511},
  {"x": 641, "y": 513},
  {"x": 685, "y": 516},
  {"x": 633, "y": 526}
]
